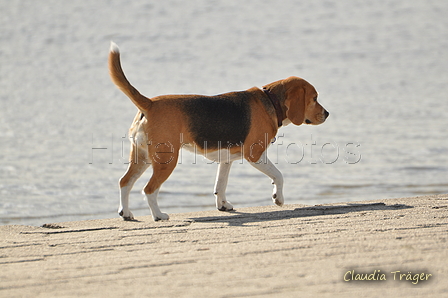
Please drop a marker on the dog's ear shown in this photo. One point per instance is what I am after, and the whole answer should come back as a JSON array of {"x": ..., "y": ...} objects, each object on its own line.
[{"x": 295, "y": 104}]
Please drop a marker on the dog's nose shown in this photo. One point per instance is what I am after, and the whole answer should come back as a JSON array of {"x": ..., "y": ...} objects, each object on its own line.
[{"x": 326, "y": 114}]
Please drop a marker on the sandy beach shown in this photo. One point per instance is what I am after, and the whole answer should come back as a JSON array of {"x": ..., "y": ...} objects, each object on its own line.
[{"x": 399, "y": 245}]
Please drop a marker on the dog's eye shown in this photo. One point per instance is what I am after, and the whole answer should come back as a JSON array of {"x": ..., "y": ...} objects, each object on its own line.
[{"x": 315, "y": 99}]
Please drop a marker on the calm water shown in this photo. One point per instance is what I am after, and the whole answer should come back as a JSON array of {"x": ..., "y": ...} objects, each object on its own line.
[{"x": 381, "y": 69}]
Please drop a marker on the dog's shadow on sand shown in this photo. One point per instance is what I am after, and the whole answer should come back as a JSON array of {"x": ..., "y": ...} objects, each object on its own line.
[{"x": 240, "y": 218}]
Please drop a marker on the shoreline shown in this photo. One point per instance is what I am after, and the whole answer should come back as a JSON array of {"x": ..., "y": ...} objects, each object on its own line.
[{"x": 254, "y": 251}]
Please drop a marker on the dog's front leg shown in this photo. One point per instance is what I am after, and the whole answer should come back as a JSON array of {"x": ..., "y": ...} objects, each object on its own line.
[
  {"x": 220, "y": 186},
  {"x": 265, "y": 166}
]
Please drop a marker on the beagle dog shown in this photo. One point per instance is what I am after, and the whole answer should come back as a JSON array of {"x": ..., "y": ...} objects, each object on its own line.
[{"x": 223, "y": 128}]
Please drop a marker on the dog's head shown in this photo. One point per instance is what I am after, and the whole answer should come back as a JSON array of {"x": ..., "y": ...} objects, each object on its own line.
[{"x": 299, "y": 101}]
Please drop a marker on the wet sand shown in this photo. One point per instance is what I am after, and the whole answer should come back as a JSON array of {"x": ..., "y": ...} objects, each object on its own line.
[{"x": 269, "y": 251}]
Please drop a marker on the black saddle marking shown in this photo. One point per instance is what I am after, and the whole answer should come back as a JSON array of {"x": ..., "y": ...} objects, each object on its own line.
[{"x": 219, "y": 121}]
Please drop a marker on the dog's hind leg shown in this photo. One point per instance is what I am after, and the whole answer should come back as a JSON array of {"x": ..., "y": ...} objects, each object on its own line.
[
  {"x": 265, "y": 166},
  {"x": 161, "y": 172},
  {"x": 126, "y": 182},
  {"x": 222, "y": 178},
  {"x": 137, "y": 166}
]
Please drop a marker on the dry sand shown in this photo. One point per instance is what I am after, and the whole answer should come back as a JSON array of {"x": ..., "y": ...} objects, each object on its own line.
[{"x": 253, "y": 252}]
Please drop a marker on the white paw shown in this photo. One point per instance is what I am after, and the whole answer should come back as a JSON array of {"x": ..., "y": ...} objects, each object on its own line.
[
  {"x": 161, "y": 216},
  {"x": 278, "y": 199},
  {"x": 277, "y": 195},
  {"x": 126, "y": 214},
  {"x": 226, "y": 206}
]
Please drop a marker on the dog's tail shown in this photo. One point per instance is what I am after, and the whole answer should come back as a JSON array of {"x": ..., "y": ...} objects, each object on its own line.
[{"x": 117, "y": 75}]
